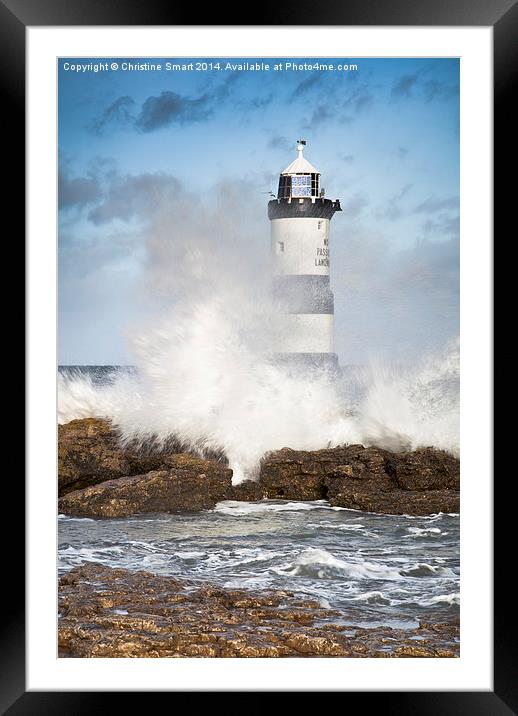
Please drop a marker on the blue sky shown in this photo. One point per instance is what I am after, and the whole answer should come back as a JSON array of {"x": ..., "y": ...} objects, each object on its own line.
[{"x": 385, "y": 137}]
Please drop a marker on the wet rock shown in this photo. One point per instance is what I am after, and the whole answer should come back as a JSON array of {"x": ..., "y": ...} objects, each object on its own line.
[
  {"x": 397, "y": 502},
  {"x": 91, "y": 451},
  {"x": 307, "y": 475},
  {"x": 372, "y": 479},
  {"x": 108, "y": 612},
  {"x": 246, "y": 491},
  {"x": 316, "y": 645},
  {"x": 88, "y": 452},
  {"x": 427, "y": 469},
  {"x": 184, "y": 483}
]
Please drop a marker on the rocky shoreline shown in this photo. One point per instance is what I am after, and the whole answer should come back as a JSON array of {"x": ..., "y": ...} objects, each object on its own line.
[
  {"x": 112, "y": 612},
  {"x": 107, "y": 612},
  {"x": 99, "y": 476}
]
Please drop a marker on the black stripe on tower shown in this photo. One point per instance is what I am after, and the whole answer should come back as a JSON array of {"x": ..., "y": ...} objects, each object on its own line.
[
  {"x": 304, "y": 362},
  {"x": 303, "y": 294},
  {"x": 303, "y": 208}
]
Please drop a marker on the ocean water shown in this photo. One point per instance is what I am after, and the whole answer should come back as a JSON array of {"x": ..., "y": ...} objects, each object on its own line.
[{"x": 377, "y": 569}]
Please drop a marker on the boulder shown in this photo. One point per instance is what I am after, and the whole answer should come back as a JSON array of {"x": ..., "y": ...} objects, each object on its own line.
[
  {"x": 365, "y": 478},
  {"x": 184, "y": 483},
  {"x": 130, "y": 476},
  {"x": 398, "y": 502},
  {"x": 90, "y": 451},
  {"x": 427, "y": 469},
  {"x": 308, "y": 475}
]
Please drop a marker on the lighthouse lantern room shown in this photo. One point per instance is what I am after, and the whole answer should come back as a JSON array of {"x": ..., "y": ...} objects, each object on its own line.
[{"x": 300, "y": 217}]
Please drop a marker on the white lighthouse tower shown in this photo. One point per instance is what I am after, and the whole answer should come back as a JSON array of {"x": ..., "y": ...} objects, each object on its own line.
[{"x": 300, "y": 217}]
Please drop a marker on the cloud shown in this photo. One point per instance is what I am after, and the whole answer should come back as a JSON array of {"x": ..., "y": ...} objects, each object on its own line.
[
  {"x": 357, "y": 102},
  {"x": 258, "y": 102},
  {"x": 167, "y": 108},
  {"x": 114, "y": 274},
  {"x": 224, "y": 89},
  {"x": 407, "y": 85},
  {"x": 170, "y": 108},
  {"x": 443, "y": 226},
  {"x": 77, "y": 192},
  {"x": 402, "y": 192},
  {"x": 433, "y": 89},
  {"x": 279, "y": 141},
  {"x": 110, "y": 195},
  {"x": 390, "y": 302},
  {"x": 393, "y": 210},
  {"x": 134, "y": 197},
  {"x": 360, "y": 99},
  {"x": 355, "y": 205},
  {"x": 431, "y": 205},
  {"x": 117, "y": 115},
  {"x": 303, "y": 87},
  {"x": 321, "y": 114},
  {"x": 343, "y": 109},
  {"x": 402, "y": 88}
]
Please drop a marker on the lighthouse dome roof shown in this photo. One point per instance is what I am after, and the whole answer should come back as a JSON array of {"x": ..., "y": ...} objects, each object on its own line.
[{"x": 300, "y": 165}]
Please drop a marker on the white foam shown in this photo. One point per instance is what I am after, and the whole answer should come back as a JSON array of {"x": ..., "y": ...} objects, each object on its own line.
[
  {"x": 254, "y": 582},
  {"x": 233, "y": 507},
  {"x": 372, "y": 598},
  {"x": 91, "y": 553},
  {"x": 189, "y": 555},
  {"x": 423, "y": 531},
  {"x": 452, "y": 599},
  {"x": 431, "y": 517},
  {"x": 75, "y": 519},
  {"x": 338, "y": 526},
  {"x": 248, "y": 555},
  {"x": 203, "y": 377},
  {"x": 422, "y": 569},
  {"x": 320, "y": 561},
  {"x": 413, "y": 407},
  {"x": 148, "y": 546}
]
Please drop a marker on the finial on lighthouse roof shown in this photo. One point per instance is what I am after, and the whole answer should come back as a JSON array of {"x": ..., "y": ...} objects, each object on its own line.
[{"x": 300, "y": 165}]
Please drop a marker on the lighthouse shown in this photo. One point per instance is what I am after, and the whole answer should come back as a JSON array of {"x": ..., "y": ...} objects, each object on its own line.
[{"x": 300, "y": 219}]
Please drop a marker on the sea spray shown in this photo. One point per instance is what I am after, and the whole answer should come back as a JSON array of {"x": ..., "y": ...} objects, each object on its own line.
[
  {"x": 223, "y": 397},
  {"x": 406, "y": 407},
  {"x": 203, "y": 367},
  {"x": 199, "y": 379}
]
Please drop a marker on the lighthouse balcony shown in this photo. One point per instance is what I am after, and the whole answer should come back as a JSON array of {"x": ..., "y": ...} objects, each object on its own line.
[{"x": 309, "y": 208}]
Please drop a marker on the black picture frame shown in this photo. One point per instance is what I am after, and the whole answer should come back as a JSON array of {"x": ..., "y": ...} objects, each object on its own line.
[{"x": 15, "y": 17}]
